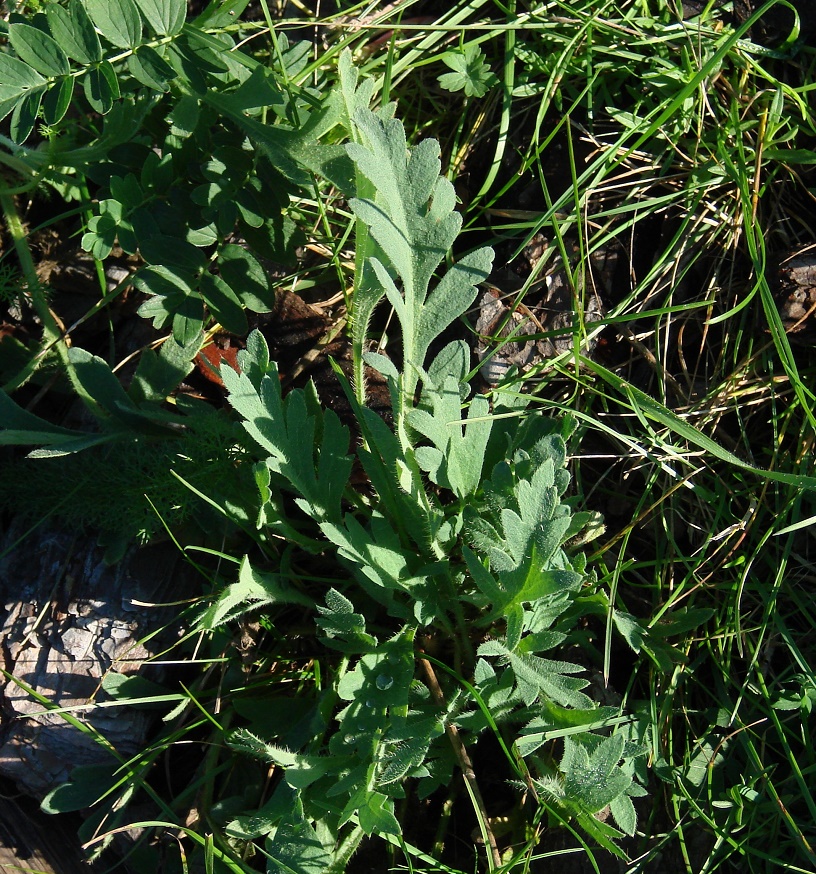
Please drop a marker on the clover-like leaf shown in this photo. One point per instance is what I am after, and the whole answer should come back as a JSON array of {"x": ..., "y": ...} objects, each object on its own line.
[{"x": 471, "y": 73}]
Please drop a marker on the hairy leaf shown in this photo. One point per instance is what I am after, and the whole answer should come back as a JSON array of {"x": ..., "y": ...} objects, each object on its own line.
[
  {"x": 344, "y": 629},
  {"x": 252, "y": 590},
  {"x": 412, "y": 219},
  {"x": 537, "y": 676},
  {"x": 455, "y": 461},
  {"x": 470, "y": 72},
  {"x": 295, "y": 847},
  {"x": 306, "y": 445},
  {"x": 593, "y": 779}
]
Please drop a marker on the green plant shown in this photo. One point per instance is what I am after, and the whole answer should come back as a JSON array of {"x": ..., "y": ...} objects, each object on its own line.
[
  {"x": 463, "y": 538},
  {"x": 619, "y": 129},
  {"x": 464, "y": 532},
  {"x": 174, "y": 178}
]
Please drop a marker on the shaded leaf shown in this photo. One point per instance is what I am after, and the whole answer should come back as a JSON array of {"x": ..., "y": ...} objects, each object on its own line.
[
  {"x": 295, "y": 847},
  {"x": 158, "y": 374},
  {"x": 188, "y": 320},
  {"x": 25, "y": 114},
  {"x": 101, "y": 87},
  {"x": 74, "y": 31},
  {"x": 148, "y": 67},
  {"x": 242, "y": 271},
  {"x": 99, "y": 381},
  {"x": 173, "y": 252},
  {"x": 223, "y": 303},
  {"x": 87, "y": 784},
  {"x": 58, "y": 99},
  {"x": 252, "y": 590}
]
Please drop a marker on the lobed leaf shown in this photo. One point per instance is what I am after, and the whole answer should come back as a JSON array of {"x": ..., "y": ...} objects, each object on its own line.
[
  {"x": 455, "y": 461},
  {"x": 295, "y": 847},
  {"x": 242, "y": 271},
  {"x": 593, "y": 779},
  {"x": 287, "y": 429},
  {"x": 252, "y": 590},
  {"x": 412, "y": 219},
  {"x": 537, "y": 676}
]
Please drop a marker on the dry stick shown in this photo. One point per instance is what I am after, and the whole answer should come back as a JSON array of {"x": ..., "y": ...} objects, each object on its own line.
[{"x": 465, "y": 764}]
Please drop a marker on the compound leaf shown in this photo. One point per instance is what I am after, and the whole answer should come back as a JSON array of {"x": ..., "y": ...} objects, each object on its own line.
[
  {"x": 38, "y": 49},
  {"x": 118, "y": 21},
  {"x": 16, "y": 78},
  {"x": 166, "y": 17},
  {"x": 470, "y": 72},
  {"x": 74, "y": 31}
]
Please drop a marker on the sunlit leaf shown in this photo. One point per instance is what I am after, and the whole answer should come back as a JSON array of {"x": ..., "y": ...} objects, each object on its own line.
[
  {"x": 118, "y": 21},
  {"x": 38, "y": 49},
  {"x": 166, "y": 17}
]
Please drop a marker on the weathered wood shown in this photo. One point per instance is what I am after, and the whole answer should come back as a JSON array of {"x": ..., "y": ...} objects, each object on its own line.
[
  {"x": 67, "y": 619},
  {"x": 797, "y": 295},
  {"x": 32, "y": 840}
]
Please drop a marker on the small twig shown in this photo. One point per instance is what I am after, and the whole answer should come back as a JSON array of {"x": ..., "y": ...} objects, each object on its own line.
[
  {"x": 444, "y": 819},
  {"x": 308, "y": 359},
  {"x": 653, "y": 362},
  {"x": 465, "y": 765}
]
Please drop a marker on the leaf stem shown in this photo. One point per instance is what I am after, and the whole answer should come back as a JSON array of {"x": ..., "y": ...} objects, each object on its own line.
[{"x": 466, "y": 766}]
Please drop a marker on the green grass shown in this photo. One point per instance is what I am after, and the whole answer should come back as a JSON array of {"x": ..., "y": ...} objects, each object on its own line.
[{"x": 682, "y": 149}]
